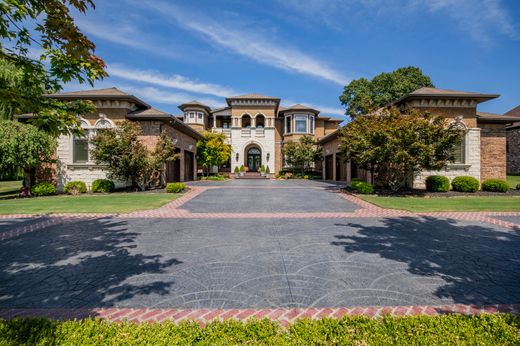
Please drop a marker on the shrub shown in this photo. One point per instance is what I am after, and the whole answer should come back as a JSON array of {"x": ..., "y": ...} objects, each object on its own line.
[
  {"x": 242, "y": 168},
  {"x": 362, "y": 187},
  {"x": 216, "y": 177},
  {"x": 103, "y": 185},
  {"x": 175, "y": 187},
  {"x": 437, "y": 183},
  {"x": 262, "y": 168},
  {"x": 75, "y": 187},
  {"x": 306, "y": 177},
  {"x": 236, "y": 170},
  {"x": 465, "y": 184},
  {"x": 43, "y": 189},
  {"x": 495, "y": 185},
  {"x": 518, "y": 186},
  {"x": 267, "y": 170}
]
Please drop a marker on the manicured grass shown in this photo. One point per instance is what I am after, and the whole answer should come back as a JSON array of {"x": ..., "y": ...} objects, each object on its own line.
[
  {"x": 440, "y": 330},
  {"x": 10, "y": 187},
  {"x": 92, "y": 203},
  {"x": 513, "y": 180},
  {"x": 424, "y": 204}
]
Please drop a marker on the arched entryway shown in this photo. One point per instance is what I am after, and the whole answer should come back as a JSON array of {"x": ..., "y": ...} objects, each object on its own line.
[{"x": 253, "y": 155}]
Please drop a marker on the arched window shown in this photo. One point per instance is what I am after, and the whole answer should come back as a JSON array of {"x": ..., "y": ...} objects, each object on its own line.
[
  {"x": 260, "y": 121},
  {"x": 246, "y": 121},
  {"x": 104, "y": 124}
]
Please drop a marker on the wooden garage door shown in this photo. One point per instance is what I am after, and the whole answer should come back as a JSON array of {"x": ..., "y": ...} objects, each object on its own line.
[
  {"x": 173, "y": 170},
  {"x": 188, "y": 165},
  {"x": 329, "y": 167}
]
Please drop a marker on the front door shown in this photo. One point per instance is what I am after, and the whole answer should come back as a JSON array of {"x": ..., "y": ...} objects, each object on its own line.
[{"x": 254, "y": 159}]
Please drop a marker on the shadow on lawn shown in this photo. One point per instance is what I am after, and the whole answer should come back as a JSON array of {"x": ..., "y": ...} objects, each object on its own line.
[
  {"x": 80, "y": 264},
  {"x": 479, "y": 264}
]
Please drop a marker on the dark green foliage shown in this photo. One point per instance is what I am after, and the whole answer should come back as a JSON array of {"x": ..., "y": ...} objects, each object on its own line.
[
  {"x": 465, "y": 184},
  {"x": 495, "y": 185},
  {"x": 267, "y": 170},
  {"x": 301, "y": 155},
  {"x": 424, "y": 330},
  {"x": 43, "y": 189},
  {"x": 236, "y": 170},
  {"x": 518, "y": 186},
  {"x": 175, "y": 187},
  {"x": 103, "y": 185},
  {"x": 215, "y": 177},
  {"x": 437, "y": 183},
  {"x": 75, "y": 188},
  {"x": 360, "y": 186},
  {"x": 362, "y": 96}
]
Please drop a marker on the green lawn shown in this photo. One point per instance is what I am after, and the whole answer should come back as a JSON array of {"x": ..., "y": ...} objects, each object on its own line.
[
  {"x": 439, "y": 330},
  {"x": 102, "y": 203},
  {"x": 10, "y": 187},
  {"x": 424, "y": 204},
  {"x": 513, "y": 180}
]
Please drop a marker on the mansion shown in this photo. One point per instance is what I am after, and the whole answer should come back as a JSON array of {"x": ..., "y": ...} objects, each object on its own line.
[{"x": 256, "y": 127}]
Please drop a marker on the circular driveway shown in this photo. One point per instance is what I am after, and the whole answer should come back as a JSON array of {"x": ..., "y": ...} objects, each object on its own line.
[{"x": 260, "y": 262}]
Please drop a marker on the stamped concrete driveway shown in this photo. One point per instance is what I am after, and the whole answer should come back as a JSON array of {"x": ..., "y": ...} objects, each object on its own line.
[{"x": 265, "y": 262}]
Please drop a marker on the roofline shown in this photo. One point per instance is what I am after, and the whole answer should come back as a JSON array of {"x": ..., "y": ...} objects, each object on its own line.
[
  {"x": 330, "y": 137},
  {"x": 315, "y": 111},
  {"x": 484, "y": 97},
  {"x": 188, "y": 104},
  {"x": 127, "y": 97},
  {"x": 173, "y": 120}
]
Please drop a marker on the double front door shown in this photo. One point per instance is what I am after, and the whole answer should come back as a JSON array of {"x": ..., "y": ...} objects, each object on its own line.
[{"x": 254, "y": 159}]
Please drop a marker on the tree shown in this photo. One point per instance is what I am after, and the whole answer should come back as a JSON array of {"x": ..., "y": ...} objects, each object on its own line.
[
  {"x": 213, "y": 150},
  {"x": 27, "y": 26},
  {"x": 363, "y": 96},
  {"x": 24, "y": 146},
  {"x": 120, "y": 149},
  {"x": 126, "y": 156},
  {"x": 393, "y": 146},
  {"x": 302, "y": 154}
]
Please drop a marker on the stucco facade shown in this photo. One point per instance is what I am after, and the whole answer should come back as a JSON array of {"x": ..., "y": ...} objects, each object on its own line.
[{"x": 256, "y": 127}]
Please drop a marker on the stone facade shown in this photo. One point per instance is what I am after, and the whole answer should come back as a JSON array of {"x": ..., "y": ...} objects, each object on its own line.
[{"x": 513, "y": 149}]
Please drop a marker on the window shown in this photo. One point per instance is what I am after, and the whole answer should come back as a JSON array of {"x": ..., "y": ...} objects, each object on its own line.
[
  {"x": 226, "y": 124},
  {"x": 311, "y": 124},
  {"x": 300, "y": 122},
  {"x": 192, "y": 116},
  {"x": 459, "y": 152},
  {"x": 200, "y": 117},
  {"x": 288, "y": 124},
  {"x": 80, "y": 148}
]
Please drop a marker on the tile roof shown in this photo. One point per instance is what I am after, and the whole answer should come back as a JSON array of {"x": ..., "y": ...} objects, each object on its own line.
[
  {"x": 445, "y": 93},
  {"x": 253, "y": 96},
  {"x": 99, "y": 94},
  {"x": 515, "y": 111},
  {"x": 195, "y": 103},
  {"x": 150, "y": 112},
  {"x": 496, "y": 118}
]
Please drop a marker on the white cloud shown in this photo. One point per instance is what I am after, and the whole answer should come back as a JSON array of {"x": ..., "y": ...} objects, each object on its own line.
[
  {"x": 249, "y": 44},
  {"x": 481, "y": 19},
  {"x": 125, "y": 35},
  {"x": 175, "y": 81}
]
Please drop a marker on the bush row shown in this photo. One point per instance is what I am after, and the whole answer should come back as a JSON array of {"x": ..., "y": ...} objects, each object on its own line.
[
  {"x": 358, "y": 185},
  {"x": 73, "y": 187},
  {"x": 439, "y": 183},
  {"x": 175, "y": 187},
  {"x": 424, "y": 330}
]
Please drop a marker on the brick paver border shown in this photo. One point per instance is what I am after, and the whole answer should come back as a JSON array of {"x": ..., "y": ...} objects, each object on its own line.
[{"x": 283, "y": 315}]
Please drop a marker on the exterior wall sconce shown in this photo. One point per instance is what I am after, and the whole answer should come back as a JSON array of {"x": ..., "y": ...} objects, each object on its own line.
[
  {"x": 236, "y": 157},
  {"x": 267, "y": 156}
]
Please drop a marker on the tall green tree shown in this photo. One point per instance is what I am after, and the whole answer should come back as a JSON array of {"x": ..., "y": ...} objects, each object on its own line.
[
  {"x": 46, "y": 28},
  {"x": 26, "y": 147},
  {"x": 363, "y": 96},
  {"x": 213, "y": 150},
  {"x": 302, "y": 154},
  {"x": 394, "y": 146}
]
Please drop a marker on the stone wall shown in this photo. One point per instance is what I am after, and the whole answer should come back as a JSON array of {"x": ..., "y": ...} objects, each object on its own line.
[
  {"x": 493, "y": 151},
  {"x": 471, "y": 166},
  {"x": 513, "y": 150}
]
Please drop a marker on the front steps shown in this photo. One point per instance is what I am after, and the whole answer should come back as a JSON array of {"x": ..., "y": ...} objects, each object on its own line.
[{"x": 251, "y": 175}]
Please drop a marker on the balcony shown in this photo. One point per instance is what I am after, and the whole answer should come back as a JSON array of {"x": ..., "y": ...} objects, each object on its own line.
[
  {"x": 246, "y": 132},
  {"x": 260, "y": 132}
]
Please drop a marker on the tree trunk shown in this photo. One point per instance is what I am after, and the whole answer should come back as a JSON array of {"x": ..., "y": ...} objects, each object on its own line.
[{"x": 29, "y": 177}]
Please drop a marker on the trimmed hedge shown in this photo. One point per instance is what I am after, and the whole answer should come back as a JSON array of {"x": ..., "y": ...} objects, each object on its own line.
[
  {"x": 495, "y": 185},
  {"x": 103, "y": 186},
  {"x": 437, "y": 183},
  {"x": 43, "y": 189},
  {"x": 360, "y": 186},
  {"x": 424, "y": 330},
  {"x": 465, "y": 184},
  {"x": 175, "y": 187},
  {"x": 75, "y": 187}
]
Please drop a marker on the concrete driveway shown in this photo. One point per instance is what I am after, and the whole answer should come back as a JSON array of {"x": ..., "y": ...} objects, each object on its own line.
[{"x": 259, "y": 262}]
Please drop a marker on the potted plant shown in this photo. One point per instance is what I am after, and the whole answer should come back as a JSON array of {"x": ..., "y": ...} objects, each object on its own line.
[
  {"x": 242, "y": 170},
  {"x": 237, "y": 172},
  {"x": 267, "y": 171},
  {"x": 262, "y": 170}
]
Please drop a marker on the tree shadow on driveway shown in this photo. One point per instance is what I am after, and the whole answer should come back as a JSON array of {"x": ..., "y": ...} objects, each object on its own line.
[
  {"x": 478, "y": 264},
  {"x": 77, "y": 264}
]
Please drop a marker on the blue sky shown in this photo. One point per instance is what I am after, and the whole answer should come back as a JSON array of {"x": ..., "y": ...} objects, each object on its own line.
[{"x": 304, "y": 51}]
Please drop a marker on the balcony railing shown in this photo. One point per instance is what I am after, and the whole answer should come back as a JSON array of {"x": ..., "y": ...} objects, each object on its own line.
[
  {"x": 226, "y": 132},
  {"x": 259, "y": 132},
  {"x": 246, "y": 132}
]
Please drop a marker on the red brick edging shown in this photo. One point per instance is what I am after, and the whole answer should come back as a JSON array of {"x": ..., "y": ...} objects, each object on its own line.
[{"x": 284, "y": 316}]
